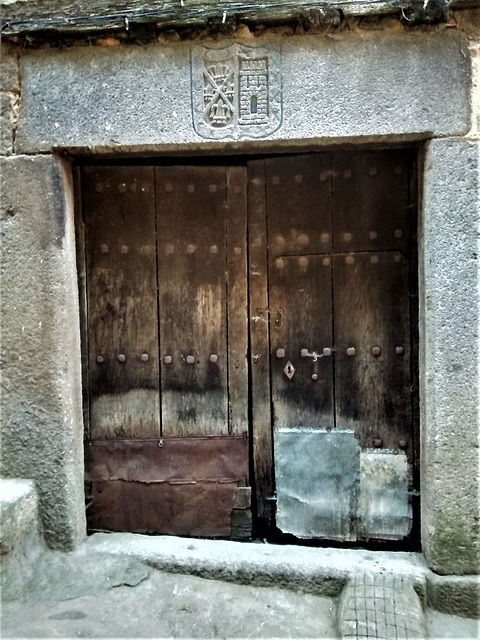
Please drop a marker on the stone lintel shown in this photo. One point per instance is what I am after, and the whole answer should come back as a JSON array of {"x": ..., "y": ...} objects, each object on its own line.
[{"x": 374, "y": 86}]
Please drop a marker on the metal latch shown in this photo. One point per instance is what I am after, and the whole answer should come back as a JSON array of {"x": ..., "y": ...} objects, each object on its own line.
[{"x": 267, "y": 314}]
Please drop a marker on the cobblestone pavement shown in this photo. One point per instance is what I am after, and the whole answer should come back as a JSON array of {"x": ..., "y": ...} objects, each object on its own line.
[{"x": 380, "y": 606}]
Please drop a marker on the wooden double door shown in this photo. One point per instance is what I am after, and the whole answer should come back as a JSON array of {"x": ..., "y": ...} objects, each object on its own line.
[{"x": 224, "y": 304}]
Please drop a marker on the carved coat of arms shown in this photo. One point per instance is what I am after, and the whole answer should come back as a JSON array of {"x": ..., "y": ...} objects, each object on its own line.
[{"x": 236, "y": 91}]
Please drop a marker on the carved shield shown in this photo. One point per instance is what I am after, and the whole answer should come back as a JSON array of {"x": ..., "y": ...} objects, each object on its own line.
[{"x": 236, "y": 91}]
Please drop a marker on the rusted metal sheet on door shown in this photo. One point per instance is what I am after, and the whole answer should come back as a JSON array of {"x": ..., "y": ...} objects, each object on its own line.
[
  {"x": 181, "y": 486},
  {"x": 119, "y": 213},
  {"x": 372, "y": 348},
  {"x": 168, "y": 459},
  {"x": 191, "y": 223},
  {"x": 197, "y": 509}
]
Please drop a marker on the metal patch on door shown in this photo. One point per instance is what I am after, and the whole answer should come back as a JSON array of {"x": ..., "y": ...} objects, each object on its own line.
[
  {"x": 236, "y": 91},
  {"x": 317, "y": 475}
]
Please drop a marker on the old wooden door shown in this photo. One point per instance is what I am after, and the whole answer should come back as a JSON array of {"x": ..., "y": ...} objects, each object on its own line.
[
  {"x": 330, "y": 260},
  {"x": 166, "y": 307}
]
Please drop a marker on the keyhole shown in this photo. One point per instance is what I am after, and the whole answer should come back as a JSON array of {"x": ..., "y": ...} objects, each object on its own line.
[
  {"x": 289, "y": 370},
  {"x": 253, "y": 104}
]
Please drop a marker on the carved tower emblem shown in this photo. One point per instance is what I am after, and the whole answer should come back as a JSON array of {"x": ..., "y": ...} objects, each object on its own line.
[{"x": 236, "y": 91}]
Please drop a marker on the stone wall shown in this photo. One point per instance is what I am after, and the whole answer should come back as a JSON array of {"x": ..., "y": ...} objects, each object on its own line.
[{"x": 384, "y": 84}]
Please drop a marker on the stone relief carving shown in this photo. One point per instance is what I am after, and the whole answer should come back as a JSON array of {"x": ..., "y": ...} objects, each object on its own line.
[{"x": 236, "y": 91}]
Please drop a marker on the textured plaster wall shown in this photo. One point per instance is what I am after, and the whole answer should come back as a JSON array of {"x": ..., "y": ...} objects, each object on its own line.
[
  {"x": 380, "y": 86},
  {"x": 41, "y": 415}
]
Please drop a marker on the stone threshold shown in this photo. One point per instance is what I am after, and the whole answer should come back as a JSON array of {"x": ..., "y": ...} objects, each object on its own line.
[{"x": 323, "y": 571}]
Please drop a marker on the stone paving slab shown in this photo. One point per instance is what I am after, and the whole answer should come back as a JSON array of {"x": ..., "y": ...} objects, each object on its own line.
[
  {"x": 118, "y": 597},
  {"x": 380, "y": 606}
]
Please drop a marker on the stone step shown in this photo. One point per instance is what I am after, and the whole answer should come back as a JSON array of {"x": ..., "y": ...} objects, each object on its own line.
[{"x": 20, "y": 540}]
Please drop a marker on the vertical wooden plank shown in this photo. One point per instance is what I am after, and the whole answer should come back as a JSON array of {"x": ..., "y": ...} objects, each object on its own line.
[
  {"x": 372, "y": 347},
  {"x": 414, "y": 181},
  {"x": 82, "y": 294},
  {"x": 299, "y": 223},
  {"x": 371, "y": 197},
  {"x": 237, "y": 299},
  {"x": 301, "y": 289},
  {"x": 299, "y": 205},
  {"x": 191, "y": 223},
  {"x": 259, "y": 339},
  {"x": 122, "y": 302}
]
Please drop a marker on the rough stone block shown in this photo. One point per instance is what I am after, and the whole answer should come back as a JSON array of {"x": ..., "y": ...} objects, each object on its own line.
[
  {"x": 42, "y": 424},
  {"x": 456, "y": 595},
  {"x": 18, "y": 513},
  {"x": 6, "y": 129},
  {"x": 9, "y": 79},
  {"x": 140, "y": 97},
  {"x": 20, "y": 542},
  {"x": 449, "y": 356}
]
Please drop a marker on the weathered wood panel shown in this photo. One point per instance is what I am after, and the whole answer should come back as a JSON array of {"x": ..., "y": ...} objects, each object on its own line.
[
  {"x": 82, "y": 291},
  {"x": 122, "y": 301},
  {"x": 300, "y": 293},
  {"x": 259, "y": 339},
  {"x": 371, "y": 197},
  {"x": 372, "y": 347},
  {"x": 299, "y": 205},
  {"x": 237, "y": 302},
  {"x": 67, "y": 15},
  {"x": 191, "y": 223}
]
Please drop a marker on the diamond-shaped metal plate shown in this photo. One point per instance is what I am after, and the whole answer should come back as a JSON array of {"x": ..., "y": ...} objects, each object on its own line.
[{"x": 289, "y": 370}]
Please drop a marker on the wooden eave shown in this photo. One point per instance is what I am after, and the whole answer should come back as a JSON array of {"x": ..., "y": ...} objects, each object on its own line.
[{"x": 27, "y": 16}]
